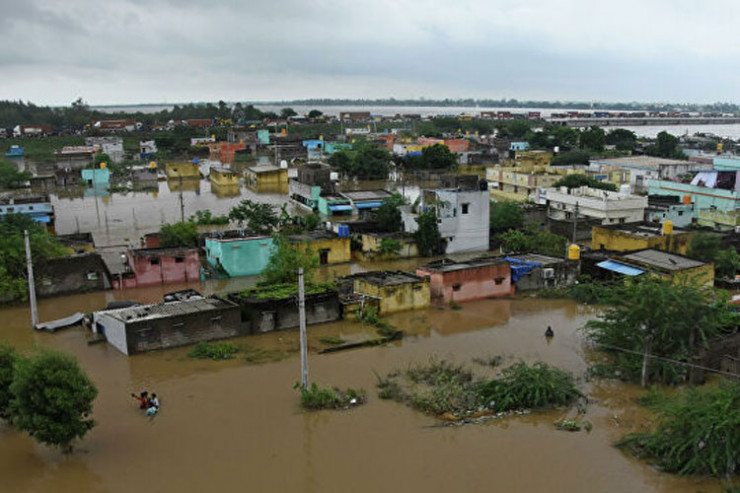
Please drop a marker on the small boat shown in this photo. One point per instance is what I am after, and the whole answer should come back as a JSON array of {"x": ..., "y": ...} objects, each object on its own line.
[{"x": 14, "y": 151}]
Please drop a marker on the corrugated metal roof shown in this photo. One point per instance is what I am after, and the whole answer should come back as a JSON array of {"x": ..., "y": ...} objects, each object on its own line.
[{"x": 625, "y": 269}]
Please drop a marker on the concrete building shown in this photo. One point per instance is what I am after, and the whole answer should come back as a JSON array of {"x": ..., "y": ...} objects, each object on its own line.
[
  {"x": 602, "y": 205},
  {"x": 714, "y": 189},
  {"x": 96, "y": 177},
  {"x": 262, "y": 314},
  {"x": 153, "y": 266},
  {"x": 112, "y": 146},
  {"x": 332, "y": 205},
  {"x": 373, "y": 245},
  {"x": 37, "y": 207},
  {"x": 182, "y": 170},
  {"x": 719, "y": 220},
  {"x": 666, "y": 265},
  {"x": 518, "y": 184},
  {"x": 74, "y": 157},
  {"x": 463, "y": 211},
  {"x": 364, "y": 202},
  {"x": 79, "y": 273},
  {"x": 534, "y": 272},
  {"x": 645, "y": 168},
  {"x": 237, "y": 253},
  {"x": 223, "y": 177},
  {"x": 640, "y": 236},
  {"x": 662, "y": 208},
  {"x": 266, "y": 178},
  {"x": 467, "y": 281},
  {"x": 395, "y": 291},
  {"x": 151, "y": 327}
]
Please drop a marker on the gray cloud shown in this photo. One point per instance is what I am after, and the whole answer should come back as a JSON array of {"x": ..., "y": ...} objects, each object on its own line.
[{"x": 126, "y": 51}]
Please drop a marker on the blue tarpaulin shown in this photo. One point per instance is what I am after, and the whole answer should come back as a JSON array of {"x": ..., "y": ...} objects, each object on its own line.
[
  {"x": 41, "y": 219},
  {"x": 627, "y": 270},
  {"x": 520, "y": 268},
  {"x": 340, "y": 207}
]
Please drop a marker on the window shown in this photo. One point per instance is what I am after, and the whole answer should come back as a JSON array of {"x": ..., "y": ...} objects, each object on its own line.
[
  {"x": 622, "y": 220},
  {"x": 465, "y": 208},
  {"x": 179, "y": 260},
  {"x": 456, "y": 287},
  {"x": 680, "y": 213},
  {"x": 153, "y": 260},
  {"x": 499, "y": 280}
]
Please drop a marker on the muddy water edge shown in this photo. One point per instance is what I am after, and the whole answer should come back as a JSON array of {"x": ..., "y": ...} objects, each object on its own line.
[{"x": 234, "y": 425}]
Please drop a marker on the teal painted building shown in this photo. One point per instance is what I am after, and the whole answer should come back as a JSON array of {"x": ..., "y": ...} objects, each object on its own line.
[
  {"x": 721, "y": 192},
  {"x": 96, "y": 177},
  {"x": 241, "y": 256},
  {"x": 332, "y": 147},
  {"x": 334, "y": 205}
]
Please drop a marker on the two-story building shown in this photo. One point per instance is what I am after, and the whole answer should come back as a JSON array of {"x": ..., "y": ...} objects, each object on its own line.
[{"x": 605, "y": 206}]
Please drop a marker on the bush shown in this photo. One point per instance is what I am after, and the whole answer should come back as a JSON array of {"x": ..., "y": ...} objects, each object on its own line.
[
  {"x": 317, "y": 398},
  {"x": 698, "y": 433},
  {"x": 214, "y": 350},
  {"x": 8, "y": 358}
]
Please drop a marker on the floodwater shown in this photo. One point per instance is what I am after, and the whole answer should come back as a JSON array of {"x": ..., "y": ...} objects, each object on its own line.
[{"x": 232, "y": 426}]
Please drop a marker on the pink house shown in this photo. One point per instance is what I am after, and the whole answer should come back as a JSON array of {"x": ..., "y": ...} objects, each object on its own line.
[
  {"x": 467, "y": 281},
  {"x": 151, "y": 266}
]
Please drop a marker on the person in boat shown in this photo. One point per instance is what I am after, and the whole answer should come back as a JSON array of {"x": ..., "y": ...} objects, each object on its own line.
[
  {"x": 549, "y": 332},
  {"x": 143, "y": 399}
]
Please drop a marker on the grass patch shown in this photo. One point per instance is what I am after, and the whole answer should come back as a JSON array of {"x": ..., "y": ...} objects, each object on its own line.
[
  {"x": 316, "y": 398},
  {"x": 443, "y": 388},
  {"x": 287, "y": 290},
  {"x": 383, "y": 327},
  {"x": 331, "y": 340},
  {"x": 256, "y": 356},
  {"x": 214, "y": 350}
]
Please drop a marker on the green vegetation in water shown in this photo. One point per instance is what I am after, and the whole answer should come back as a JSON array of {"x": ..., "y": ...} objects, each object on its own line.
[
  {"x": 370, "y": 316},
  {"x": 287, "y": 290},
  {"x": 331, "y": 340},
  {"x": 442, "y": 388},
  {"x": 698, "y": 431},
  {"x": 214, "y": 350},
  {"x": 316, "y": 398},
  {"x": 205, "y": 218},
  {"x": 255, "y": 356},
  {"x": 454, "y": 305},
  {"x": 492, "y": 361}
]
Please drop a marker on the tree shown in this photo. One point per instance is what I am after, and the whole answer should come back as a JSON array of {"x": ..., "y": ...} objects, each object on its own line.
[
  {"x": 182, "y": 234},
  {"x": 623, "y": 139},
  {"x": 579, "y": 180},
  {"x": 427, "y": 236},
  {"x": 651, "y": 317},
  {"x": 260, "y": 217},
  {"x": 285, "y": 260},
  {"x": 727, "y": 263},
  {"x": 437, "y": 156},
  {"x": 341, "y": 161},
  {"x": 314, "y": 114},
  {"x": 704, "y": 247},
  {"x": 13, "y": 280},
  {"x": 388, "y": 215},
  {"x": 10, "y": 177},
  {"x": 371, "y": 163},
  {"x": 570, "y": 157},
  {"x": 52, "y": 399},
  {"x": 564, "y": 137},
  {"x": 593, "y": 139},
  {"x": 8, "y": 357},
  {"x": 505, "y": 216},
  {"x": 533, "y": 240},
  {"x": 287, "y": 113},
  {"x": 102, "y": 158},
  {"x": 666, "y": 145}
]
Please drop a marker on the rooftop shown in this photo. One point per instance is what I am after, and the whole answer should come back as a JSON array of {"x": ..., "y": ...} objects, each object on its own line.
[
  {"x": 264, "y": 168},
  {"x": 645, "y": 230},
  {"x": 359, "y": 195},
  {"x": 639, "y": 161},
  {"x": 449, "y": 265},
  {"x": 164, "y": 310},
  {"x": 662, "y": 260},
  {"x": 534, "y": 257},
  {"x": 387, "y": 278}
]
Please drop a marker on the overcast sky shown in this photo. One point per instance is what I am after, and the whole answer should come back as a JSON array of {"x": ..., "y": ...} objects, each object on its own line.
[{"x": 149, "y": 51}]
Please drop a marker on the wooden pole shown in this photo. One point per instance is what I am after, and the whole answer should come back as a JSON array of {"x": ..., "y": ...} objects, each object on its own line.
[
  {"x": 646, "y": 360},
  {"x": 302, "y": 319}
]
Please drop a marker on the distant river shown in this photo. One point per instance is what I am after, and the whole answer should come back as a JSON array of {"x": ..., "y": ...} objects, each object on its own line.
[{"x": 650, "y": 131}]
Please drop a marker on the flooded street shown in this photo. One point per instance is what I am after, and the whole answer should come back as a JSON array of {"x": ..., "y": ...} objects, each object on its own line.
[{"x": 228, "y": 426}]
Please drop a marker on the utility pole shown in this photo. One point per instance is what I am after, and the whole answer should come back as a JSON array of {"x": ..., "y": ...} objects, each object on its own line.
[
  {"x": 182, "y": 203},
  {"x": 31, "y": 284},
  {"x": 302, "y": 318},
  {"x": 575, "y": 223},
  {"x": 646, "y": 360}
]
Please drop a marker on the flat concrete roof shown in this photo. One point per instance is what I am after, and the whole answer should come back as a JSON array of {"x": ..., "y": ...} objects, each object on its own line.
[
  {"x": 164, "y": 310},
  {"x": 359, "y": 195},
  {"x": 448, "y": 265},
  {"x": 264, "y": 168},
  {"x": 534, "y": 257},
  {"x": 640, "y": 161},
  {"x": 663, "y": 260},
  {"x": 387, "y": 278}
]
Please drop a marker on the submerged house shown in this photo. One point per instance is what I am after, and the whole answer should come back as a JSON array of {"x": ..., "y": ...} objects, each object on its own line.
[
  {"x": 223, "y": 177},
  {"x": 267, "y": 178},
  {"x": 533, "y": 271},
  {"x": 669, "y": 266},
  {"x": 152, "y": 266},
  {"x": 37, "y": 207},
  {"x": 182, "y": 171},
  {"x": 394, "y": 291},
  {"x": 139, "y": 329},
  {"x": 467, "y": 281}
]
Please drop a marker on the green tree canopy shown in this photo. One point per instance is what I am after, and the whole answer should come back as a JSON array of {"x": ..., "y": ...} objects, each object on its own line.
[
  {"x": 52, "y": 399},
  {"x": 533, "y": 240},
  {"x": 704, "y": 247},
  {"x": 314, "y": 114},
  {"x": 570, "y": 157},
  {"x": 10, "y": 177},
  {"x": 388, "y": 215},
  {"x": 366, "y": 161},
  {"x": 579, "y": 180},
  {"x": 623, "y": 139},
  {"x": 287, "y": 113},
  {"x": 593, "y": 139},
  {"x": 505, "y": 216},
  {"x": 427, "y": 236},
  {"x": 182, "y": 234},
  {"x": 666, "y": 145},
  {"x": 286, "y": 259},
  {"x": 437, "y": 156},
  {"x": 676, "y": 317},
  {"x": 259, "y": 217},
  {"x": 8, "y": 358}
]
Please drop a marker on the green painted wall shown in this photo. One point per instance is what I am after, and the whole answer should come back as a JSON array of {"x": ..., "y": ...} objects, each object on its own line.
[{"x": 239, "y": 257}]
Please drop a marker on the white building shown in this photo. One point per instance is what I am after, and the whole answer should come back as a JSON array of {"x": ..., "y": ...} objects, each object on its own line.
[
  {"x": 606, "y": 206},
  {"x": 112, "y": 146},
  {"x": 463, "y": 214}
]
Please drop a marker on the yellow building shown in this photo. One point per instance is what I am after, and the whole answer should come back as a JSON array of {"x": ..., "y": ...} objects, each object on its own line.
[
  {"x": 184, "y": 170},
  {"x": 719, "y": 220},
  {"x": 629, "y": 238},
  {"x": 395, "y": 291},
  {"x": 267, "y": 178},
  {"x": 670, "y": 266},
  {"x": 223, "y": 177},
  {"x": 225, "y": 190},
  {"x": 331, "y": 249},
  {"x": 372, "y": 246},
  {"x": 518, "y": 183}
]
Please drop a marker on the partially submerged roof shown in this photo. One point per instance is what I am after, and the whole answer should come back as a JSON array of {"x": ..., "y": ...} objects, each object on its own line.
[
  {"x": 264, "y": 168},
  {"x": 173, "y": 309},
  {"x": 662, "y": 260},
  {"x": 373, "y": 195},
  {"x": 449, "y": 265},
  {"x": 387, "y": 278}
]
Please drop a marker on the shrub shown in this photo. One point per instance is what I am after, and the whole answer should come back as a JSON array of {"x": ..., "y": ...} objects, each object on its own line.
[
  {"x": 316, "y": 398},
  {"x": 214, "y": 350}
]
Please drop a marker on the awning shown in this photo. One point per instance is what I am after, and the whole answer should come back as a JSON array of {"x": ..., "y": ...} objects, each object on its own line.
[
  {"x": 340, "y": 208},
  {"x": 368, "y": 205},
  {"x": 625, "y": 269}
]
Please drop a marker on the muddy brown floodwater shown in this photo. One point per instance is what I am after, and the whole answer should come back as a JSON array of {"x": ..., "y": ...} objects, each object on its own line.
[{"x": 232, "y": 426}]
